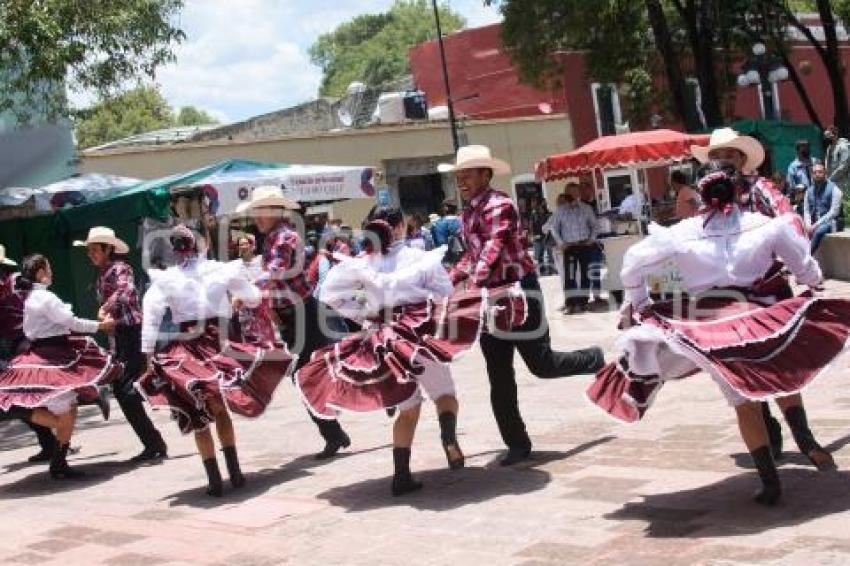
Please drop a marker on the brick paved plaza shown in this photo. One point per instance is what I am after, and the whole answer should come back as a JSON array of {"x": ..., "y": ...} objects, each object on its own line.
[{"x": 674, "y": 489}]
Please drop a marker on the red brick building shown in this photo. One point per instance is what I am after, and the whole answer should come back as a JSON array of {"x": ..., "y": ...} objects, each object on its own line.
[{"x": 485, "y": 85}]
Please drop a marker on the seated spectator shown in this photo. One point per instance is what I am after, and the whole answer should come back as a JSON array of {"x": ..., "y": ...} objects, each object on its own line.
[{"x": 822, "y": 208}]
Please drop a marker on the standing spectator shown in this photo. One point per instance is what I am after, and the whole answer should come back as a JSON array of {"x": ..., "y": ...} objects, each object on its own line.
[
  {"x": 557, "y": 252},
  {"x": 597, "y": 255},
  {"x": 537, "y": 217},
  {"x": 574, "y": 230},
  {"x": 418, "y": 236},
  {"x": 837, "y": 158},
  {"x": 822, "y": 210},
  {"x": 800, "y": 170},
  {"x": 687, "y": 199}
]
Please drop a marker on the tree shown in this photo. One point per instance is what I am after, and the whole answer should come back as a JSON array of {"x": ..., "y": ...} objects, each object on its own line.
[
  {"x": 88, "y": 45},
  {"x": 373, "y": 48},
  {"x": 191, "y": 116},
  {"x": 142, "y": 109}
]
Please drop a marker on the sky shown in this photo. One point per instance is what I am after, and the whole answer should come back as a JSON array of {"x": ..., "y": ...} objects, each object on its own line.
[{"x": 245, "y": 58}]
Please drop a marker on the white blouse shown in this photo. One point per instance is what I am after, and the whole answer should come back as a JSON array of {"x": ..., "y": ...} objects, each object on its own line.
[
  {"x": 197, "y": 290},
  {"x": 45, "y": 316},
  {"x": 359, "y": 287},
  {"x": 730, "y": 251}
]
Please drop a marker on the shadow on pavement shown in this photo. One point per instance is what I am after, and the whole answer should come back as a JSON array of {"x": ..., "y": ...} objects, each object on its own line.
[
  {"x": 258, "y": 482},
  {"x": 726, "y": 508},
  {"x": 40, "y": 483},
  {"x": 444, "y": 489}
]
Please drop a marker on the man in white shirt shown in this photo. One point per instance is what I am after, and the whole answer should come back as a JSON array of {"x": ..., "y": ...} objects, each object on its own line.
[
  {"x": 574, "y": 231},
  {"x": 632, "y": 206}
]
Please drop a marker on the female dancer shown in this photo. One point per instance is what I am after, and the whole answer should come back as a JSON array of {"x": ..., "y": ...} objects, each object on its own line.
[
  {"x": 410, "y": 333},
  {"x": 199, "y": 374},
  {"x": 56, "y": 369},
  {"x": 731, "y": 326}
]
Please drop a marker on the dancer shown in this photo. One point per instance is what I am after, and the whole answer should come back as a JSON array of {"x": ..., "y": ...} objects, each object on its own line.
[
  {"x": 731, "y": 325},
  {"x": 119, "y": 300},
  {"x": 200, "y": 375},
  {"x": 253, "y": 325},
  {"x": 286, "y": 287},
  {"x": 13, "y": 339},
  {"x": 745, "y": 155},
  {"x": 397, "y": 293},
  {"x": 42, "y": 384},
  {"x": 496, "y": 255}
]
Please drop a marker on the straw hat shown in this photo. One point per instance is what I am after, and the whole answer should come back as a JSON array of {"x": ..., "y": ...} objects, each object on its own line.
[
  {"x": 5, "y": 260},
  {"x": 729, "y": 138},
  {"x": 104, "y": 235},
  {"x": 475, "y": 157},
  {"x": 267, "y": 196}
]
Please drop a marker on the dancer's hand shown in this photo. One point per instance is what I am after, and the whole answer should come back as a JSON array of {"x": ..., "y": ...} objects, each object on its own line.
[
  {"x": 237, "y": 304},
  {"x": 101, "y": 314},
  {"x": 106, "y": 325},
  {"x": 627, "y": 317}
]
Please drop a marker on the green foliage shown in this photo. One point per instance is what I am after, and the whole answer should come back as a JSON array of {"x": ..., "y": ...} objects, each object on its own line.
[
  {"x": 191, "y": 116},
  {"x": 373, "y": 48},
  {"x": 142, "y": 109},
  {"x": 88, "y": 45}
]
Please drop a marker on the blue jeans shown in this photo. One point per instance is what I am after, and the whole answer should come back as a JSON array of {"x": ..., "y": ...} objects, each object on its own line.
[{"x": 819, "y": 234}]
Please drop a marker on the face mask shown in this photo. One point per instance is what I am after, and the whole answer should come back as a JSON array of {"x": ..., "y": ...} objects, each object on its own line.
[{"x": 804, "y": 153}]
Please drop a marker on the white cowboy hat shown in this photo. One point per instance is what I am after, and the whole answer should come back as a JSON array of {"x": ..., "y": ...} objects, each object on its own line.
[
  {"x": 104, "y": 235},
  {"x": 433, "y": 217},
  {"x": 268, "y": 196},
  {"x": 727, "y": 137},
  {"x": 475, "y": 157},
  {"x": 3, "y": 259}
]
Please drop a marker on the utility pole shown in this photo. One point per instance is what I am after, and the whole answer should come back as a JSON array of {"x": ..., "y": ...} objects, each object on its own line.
[{"x": 449, "y": 102}]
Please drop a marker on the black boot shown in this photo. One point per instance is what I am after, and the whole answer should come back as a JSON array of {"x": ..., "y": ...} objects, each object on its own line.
[
  {"x": 46, "y": 440},
  {"x": 102, "y": 402},
  {"x": 774, "y": 431},
  {"x": 59, "y": 468},
  {"x": 335, "y": 438},
  {"x": 233, "y": 470},
  {"x": 403, "y": 481},
  {"x": 771, "y": 488},
  {"x": 215, "y": 488},
  {"x": 805, "y": 439},
  {"x": 448, "y": 434},
  {"x": 588, "y": 360}
]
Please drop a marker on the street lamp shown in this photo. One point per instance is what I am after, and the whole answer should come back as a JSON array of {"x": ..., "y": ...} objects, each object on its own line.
[
  {"x": 449, "y": 102},
  {"x": 765, "y": 70}
]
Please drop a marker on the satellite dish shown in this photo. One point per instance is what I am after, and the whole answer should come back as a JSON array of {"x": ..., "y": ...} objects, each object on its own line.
[{"x": 345, "y": 117}]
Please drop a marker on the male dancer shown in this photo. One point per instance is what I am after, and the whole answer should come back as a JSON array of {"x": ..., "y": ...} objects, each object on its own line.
[
  {"x": 497, "y": 254},
  {"x": 119, "y": 300},
  {"x": 286, "y": 286}
]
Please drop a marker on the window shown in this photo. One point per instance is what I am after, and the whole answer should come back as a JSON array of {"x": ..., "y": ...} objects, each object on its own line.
[
  {"x": 606, "y": 105},
  {"x": 694, "y": 101},
  {"x": 527, "y": 189},
  {"x": 619, "y": 183},
  {"x": 774, "y": 97}
]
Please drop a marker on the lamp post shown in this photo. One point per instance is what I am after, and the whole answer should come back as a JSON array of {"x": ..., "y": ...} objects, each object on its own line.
[
  {"x": 449, "y": 103},
  {"x": 763, "y": 69}
]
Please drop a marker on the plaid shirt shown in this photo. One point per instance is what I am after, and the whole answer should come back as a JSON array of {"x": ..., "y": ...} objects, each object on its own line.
[
  {"x": 496, "y": 243},
  {"x": 117, "y": 293},
  {"x": 11, "y": 311},
  {"x": 767, "y": 199},
  {"x": 284, "y": 276}
]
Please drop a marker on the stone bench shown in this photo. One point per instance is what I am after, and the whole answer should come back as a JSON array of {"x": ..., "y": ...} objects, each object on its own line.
[{"x": 834, "y": 256}]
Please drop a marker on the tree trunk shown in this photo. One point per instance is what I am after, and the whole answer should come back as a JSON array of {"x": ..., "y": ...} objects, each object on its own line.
[
  {"x": 675, "y": 78},
  {"x": 834, "y": 68},
  {"x": 801, "y": 89},
  {"x": 700, "y": 36}
]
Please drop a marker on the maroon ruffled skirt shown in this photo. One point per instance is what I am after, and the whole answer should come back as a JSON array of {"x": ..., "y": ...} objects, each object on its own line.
[
  {"x": 377, "y": 368},
  {"x": 753, "y": 350},
  {"x": 191, "y": 376},
  {"x": 54, "y": 367}
]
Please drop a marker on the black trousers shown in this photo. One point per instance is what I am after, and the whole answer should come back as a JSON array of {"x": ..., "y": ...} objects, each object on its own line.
[
  {"x": 577, "y": 263},
  {"x": 128, "y": 342},
  {"x": 302, "y": 332},
  {"x": 536, "y": 350}
]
